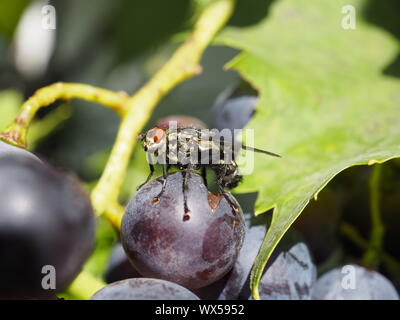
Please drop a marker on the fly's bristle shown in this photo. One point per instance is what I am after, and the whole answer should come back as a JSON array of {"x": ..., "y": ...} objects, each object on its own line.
[{"x": 261, "y": 151}]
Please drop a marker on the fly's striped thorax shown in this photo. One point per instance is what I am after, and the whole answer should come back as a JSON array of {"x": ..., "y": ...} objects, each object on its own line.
[{"x": 197, "y": 147}]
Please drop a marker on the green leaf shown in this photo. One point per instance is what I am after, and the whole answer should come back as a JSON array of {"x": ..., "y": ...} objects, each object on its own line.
[{"x": 325, "y": 105}]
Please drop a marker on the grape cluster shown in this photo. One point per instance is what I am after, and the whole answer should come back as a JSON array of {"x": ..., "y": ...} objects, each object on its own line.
[
  {"x": 165, "y": 252},
  {"x": 289, "y": 275},
  {"x": 211, "y": 251}
]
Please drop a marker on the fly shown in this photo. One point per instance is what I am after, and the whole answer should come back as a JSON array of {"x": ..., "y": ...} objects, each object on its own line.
[{"x": 191, "y": 149}]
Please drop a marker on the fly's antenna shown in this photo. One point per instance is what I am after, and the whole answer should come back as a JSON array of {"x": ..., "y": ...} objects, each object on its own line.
[{"x": 260, "y": 151}]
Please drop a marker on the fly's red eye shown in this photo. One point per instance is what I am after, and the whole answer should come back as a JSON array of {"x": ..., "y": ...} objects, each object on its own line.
[{"x": 156, "y": 134}]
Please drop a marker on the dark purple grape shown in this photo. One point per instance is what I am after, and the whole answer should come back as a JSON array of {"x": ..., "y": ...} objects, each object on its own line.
[
  {"x": 352, "y": 282},
  {"x": 164, "y": 242},
  {"x": 213, "y": 291},
  {"x": 233, "y": 110},
  {"x": 230, "y": 286},
  {"x": 289, "y": 275},
  {"x": 144, "y": 289},
  {"x": 119, "y": 268},
  {"x": 8, "y": 150},
  {"x": 234, "y": 107},
  {"x": 45, "y": 219},
  {"x": 234, "y": 113},
  {"x": 240, "y": 273}
]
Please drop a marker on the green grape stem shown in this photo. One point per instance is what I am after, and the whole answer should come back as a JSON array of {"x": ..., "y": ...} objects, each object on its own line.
[
  {"x": 391, "y": 264},
  {"x": 16, "y": 133},
  {"x": 84, "y": 286},
  {"x": 372, "y": 255}
]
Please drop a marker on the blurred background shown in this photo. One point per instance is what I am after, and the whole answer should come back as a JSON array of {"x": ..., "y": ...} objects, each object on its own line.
[
  {"x": 112, "y": 44},
  {"x": 119, "y": 45}
]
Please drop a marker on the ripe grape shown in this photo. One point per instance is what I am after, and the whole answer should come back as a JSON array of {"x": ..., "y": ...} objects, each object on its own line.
[
  {"x": 119, "y": 267},
  {"x": 230, "y": 286},
  {"x": 242, "y": 268},
  {"x": 235, "y": 113},
  {"x": 213, "y": 291},
  {"x": 353, "y": 282},
  {"x": 193, "y": 250},
  {"x": 8, "y": 150},
  {"x": 233, "y": 110},
  {"x": 290, "y": 273},
  {"x": 234, "y": 107},
  {"x": 144, "y": 289},
  {"x": 45, "y": 219}
]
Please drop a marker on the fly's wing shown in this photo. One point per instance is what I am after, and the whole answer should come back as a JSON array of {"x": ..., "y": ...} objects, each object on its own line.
[
  {"x": 212, "y": 140},
  {"x": 210, "y": 150},
  {"x": 244, "y": 147},
  {"x": 189, "y": 147}
]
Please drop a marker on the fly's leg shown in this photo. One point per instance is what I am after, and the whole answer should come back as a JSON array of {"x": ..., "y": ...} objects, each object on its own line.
[
  {"x": 220, "y": 184},
  {"x": 165, "y": 168},
  {"x": 235, "y": 163},
  {"x": 148, "y": 178},
  {"x": 228, "y": 198},
  {"x": 220, "y": 177},
  {"x": 204, "y": 176},
  {"x": 185, "y": 188}
]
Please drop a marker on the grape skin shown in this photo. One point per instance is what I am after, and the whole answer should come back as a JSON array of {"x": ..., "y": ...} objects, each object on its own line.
[
  {"x": 234, "y": 113},
  {"x": 368, "y": 285},
  {"x": 45, "y": 219},
  {"x": 290, "y": 273},
  {"x": 192, "y": 252},
  {"x": 241, "y": 270},
  {"x": 144, "y": 289},
  {"x": 119, "y": 267},
  {"x": 289, "y": 276},
  {"x": 9, "y": 150},
  {"x": 230, "y": 286}
]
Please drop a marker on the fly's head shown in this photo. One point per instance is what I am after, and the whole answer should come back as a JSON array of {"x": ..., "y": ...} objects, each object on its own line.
[{"x": 153, "y": 140}]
